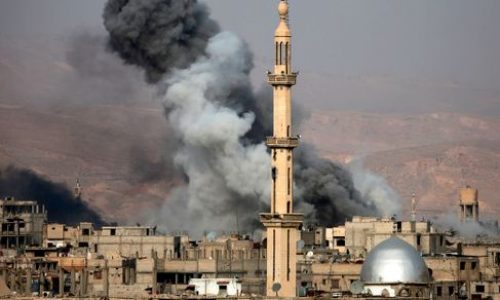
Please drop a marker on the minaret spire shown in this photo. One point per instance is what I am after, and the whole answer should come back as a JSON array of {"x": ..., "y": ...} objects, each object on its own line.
[{"x": 281, "y": 223}]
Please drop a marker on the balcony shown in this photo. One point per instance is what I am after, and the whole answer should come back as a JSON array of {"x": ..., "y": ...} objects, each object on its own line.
[
  {"x": 292, "y": 220},
  {"x": 282, "y": 79},
  {"x": 287, "y": 142}
]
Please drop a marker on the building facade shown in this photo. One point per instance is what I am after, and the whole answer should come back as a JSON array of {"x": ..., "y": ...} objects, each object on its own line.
[{"x": 21, "y": 223}]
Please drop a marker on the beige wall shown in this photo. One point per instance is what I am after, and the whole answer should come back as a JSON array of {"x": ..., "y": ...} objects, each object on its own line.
[
  {"x": 363, "y": 234},
  {"x": 334, "y": 276}
]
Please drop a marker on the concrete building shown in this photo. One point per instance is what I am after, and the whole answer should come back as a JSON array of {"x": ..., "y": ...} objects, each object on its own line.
[
  {"x": 452, "y": 275},
  {"x": 335, "y": 238},
  {"x": 364, "y": 233},
  {"x": 488, "y": 255},
  {"x": 221, "y": 287},
  {"x": 21, "y": 223},
  {"x": 59, "y": 235},
  {"x": 282, "y": 223}
]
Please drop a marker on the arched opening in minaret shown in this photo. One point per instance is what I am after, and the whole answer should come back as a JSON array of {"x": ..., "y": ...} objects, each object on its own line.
[
  {"x": 289, "y": 181},
  {"x": 288, "y": 208}
]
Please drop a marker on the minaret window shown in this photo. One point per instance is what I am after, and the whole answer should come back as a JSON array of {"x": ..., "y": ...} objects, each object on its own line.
[
  {"x": 288, "y": 181},
  {"x": 288, "y": 255}
]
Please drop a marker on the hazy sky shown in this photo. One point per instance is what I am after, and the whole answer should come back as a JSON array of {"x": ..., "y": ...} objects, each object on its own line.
[{"x": 441, "y": 40}]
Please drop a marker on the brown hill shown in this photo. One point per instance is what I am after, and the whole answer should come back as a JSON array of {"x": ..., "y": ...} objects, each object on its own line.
[
  {"x": 53, "y": 121},
  {"x": 429, "y": 154}
]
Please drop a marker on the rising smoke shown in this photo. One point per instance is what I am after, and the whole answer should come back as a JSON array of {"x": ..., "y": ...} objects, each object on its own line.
[
  {"x": 158, "y": 35},
  {"x": 219, "y": 121},
  {"x": 62, "y": 206},
  {"x": 468, "y": 230}
]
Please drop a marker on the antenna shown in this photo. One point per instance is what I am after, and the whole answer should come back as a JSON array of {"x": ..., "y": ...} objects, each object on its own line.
[{"x": 413, "y": 208}]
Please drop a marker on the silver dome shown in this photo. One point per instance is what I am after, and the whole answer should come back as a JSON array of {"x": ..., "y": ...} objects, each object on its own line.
[{"x": 394, "y": 261}]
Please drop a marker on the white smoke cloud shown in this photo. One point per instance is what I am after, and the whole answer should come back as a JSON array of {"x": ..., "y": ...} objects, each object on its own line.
[
  {"x": 221, "y": 170},
  {"x": 375, "y": 188},
  {"x": 468, "y": 230}
]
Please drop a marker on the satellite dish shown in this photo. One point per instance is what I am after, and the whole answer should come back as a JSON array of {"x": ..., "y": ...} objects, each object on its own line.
[
  {"x": 276, "y": 287},
  {"x": 300, "y": 245},
  {"x": 357, "y": 287},
  {"x": 310, "y": 254}
]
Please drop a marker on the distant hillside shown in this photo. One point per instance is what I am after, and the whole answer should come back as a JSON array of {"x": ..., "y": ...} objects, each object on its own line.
[
  {"x": 429, "y": 154},
  {"x": 105, "y": 129}
]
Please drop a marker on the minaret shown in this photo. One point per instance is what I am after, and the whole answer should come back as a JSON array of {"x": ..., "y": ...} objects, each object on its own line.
[
  {"x": 77, "y": 190},
  {"x": 281, "y": 223}
]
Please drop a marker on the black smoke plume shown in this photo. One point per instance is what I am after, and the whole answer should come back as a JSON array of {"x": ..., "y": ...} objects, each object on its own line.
[
  {"x": 61, "y": 205},
  {"x": 219, "y": 121},
  {"x": 158, "y": 35}
]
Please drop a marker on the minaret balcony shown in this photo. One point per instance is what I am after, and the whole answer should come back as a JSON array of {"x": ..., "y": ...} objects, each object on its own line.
[
  {"x": 282, "y": 79},
  {"x": 286, "y": 142}
]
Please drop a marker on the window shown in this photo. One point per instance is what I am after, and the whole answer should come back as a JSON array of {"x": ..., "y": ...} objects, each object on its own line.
[
  {"x": 97, "y": 274},
  {"x": 340, "y": 242},
  {"x": 462, "y": 265},
  {"x": 335, "y": 284},
  {"x": 85, "y": 232},
  {"x": 112, "y": 231},
  {"x": 289, "y": 180},
  {"x": 404, "y": 293},
  {"x": 451, "y": 290},
  {"x": 418, "y": 239},
  {"x": 439, "y": 291},
  {"x": 473, "y": 265},
  {"x": 399, "y": 226},
  {"x": 480, "y": 288}
]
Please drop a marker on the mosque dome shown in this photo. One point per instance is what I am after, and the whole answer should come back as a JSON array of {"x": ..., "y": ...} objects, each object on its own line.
[{"x": 394, "y": 261}]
